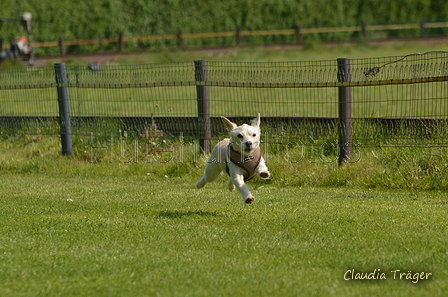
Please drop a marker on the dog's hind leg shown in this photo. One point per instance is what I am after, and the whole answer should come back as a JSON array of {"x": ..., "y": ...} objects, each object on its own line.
[{"x": 212, "y": 171}]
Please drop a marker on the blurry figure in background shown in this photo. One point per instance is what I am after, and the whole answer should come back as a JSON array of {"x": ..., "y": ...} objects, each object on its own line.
[
  {"x": 19, "y": 47},
  {"x": 95, "y": 66}
]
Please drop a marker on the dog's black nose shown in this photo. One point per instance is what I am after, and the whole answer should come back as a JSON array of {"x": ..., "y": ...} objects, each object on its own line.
[{"x": 248, "y": 143}]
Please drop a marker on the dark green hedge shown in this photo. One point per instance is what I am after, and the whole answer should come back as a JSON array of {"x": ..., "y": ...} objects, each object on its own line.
[{"x": 106, "y": 18}]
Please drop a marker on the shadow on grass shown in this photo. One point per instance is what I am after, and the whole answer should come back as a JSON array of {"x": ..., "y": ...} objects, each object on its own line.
[{"x": 181, "y": 214}]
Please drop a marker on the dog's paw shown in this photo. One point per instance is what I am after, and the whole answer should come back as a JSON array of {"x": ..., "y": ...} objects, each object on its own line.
[
  {"x": 249, "y": 199},
  {"x": 200, "y": 183},
  {"x": 265, "y": 174}
]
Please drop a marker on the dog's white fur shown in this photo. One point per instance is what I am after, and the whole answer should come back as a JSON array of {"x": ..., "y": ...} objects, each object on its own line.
[{"x": 244, "y": 139}]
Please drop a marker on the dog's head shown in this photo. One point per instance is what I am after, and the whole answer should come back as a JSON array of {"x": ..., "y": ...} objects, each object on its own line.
[{"x": 245, "y": 138}]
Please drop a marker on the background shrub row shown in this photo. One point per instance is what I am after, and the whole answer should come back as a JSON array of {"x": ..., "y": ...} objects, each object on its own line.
[{"x": 107, "y": 18}]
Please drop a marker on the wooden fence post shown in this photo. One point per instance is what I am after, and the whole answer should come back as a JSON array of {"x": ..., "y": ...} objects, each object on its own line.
[
  {"x": 203, "y": 105},
  {"x": 423, "y": 31},
  {"x": 180, "y": 39},
  {"x": 299, "y": 34},
  {"x": 61, "y": 46},
  {"x": 364, "y": 30},
  {"x": 121, "y": 42},
  {"x": 238, "y": 35},
  {"x": 64, "y": 109},
  {"x": 345, "y": 112}
]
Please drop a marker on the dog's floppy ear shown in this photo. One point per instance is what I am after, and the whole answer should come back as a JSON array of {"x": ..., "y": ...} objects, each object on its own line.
[
  {"x": 228, "y": 123},
  {"x": 256, "y": 122}
]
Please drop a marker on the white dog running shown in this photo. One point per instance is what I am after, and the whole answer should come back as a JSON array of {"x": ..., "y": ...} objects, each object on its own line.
[{"x": 239, "y": 156}]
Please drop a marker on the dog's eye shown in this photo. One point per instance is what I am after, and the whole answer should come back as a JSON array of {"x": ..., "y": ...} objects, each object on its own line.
[
  {"x": 253, "y": 135},
  {"x": 240, "y": 136}
]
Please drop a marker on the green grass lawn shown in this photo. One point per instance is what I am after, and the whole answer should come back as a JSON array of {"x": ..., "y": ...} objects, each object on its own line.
[
  {"x": 115, "y": 234},
  {"x": 74, "y": 228}
]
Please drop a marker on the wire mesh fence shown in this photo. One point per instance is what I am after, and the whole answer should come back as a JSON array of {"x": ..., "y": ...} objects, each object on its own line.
[
  {"x": 394, "y": 100},
  {"x": 28, "y": 101}
]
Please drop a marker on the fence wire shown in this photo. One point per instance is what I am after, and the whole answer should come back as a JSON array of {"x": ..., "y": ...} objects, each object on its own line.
[{"x": 395, "y": 100}]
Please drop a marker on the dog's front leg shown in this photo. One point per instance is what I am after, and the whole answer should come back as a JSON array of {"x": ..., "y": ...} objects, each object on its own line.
[
  {"x": 262, "y": 169},
  {"x": 238, "y": 181}
]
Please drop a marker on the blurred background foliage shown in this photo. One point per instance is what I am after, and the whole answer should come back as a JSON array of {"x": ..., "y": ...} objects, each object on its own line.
[{"x": 91, "y": 19}]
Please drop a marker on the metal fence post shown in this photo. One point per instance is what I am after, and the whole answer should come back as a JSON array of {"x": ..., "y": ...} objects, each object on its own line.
[
  {"x": 345, "y": 112},
  {"x": 203, "y": 105},
  {"x": 64, "y": 109}
]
